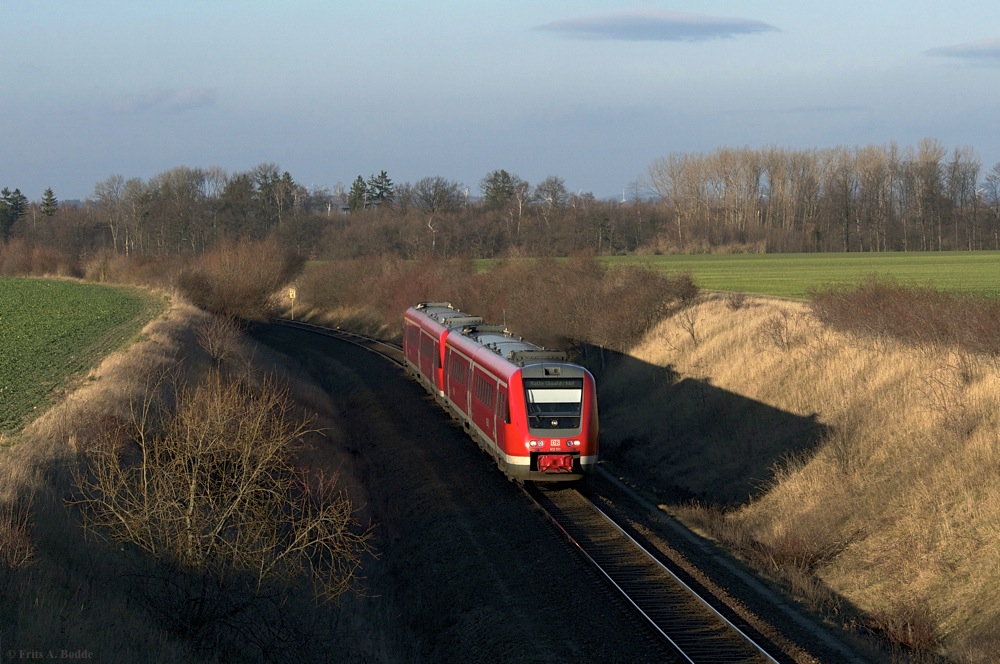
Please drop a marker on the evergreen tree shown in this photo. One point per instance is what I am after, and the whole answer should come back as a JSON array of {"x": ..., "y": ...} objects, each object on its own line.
[
  {"x": 380, "y": 190},
  {"x": 50, "y": 204},
  {"x": 13, "y": 206},
  {"x": 357, "y": 198},
  {"x": 498, "y": 188}
]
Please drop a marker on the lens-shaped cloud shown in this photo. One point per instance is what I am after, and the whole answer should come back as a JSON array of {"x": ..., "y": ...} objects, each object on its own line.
[
  {"x": 986, "y": 50},
  {"x": 657, "y": 26}
]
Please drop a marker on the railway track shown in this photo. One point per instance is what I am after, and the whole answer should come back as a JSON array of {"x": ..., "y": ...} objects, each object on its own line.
[
  {"x": 675, "y": 611},
  {"x": 391, "y": 352}
]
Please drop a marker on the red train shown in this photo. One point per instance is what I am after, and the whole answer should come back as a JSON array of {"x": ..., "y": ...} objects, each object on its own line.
[{"x": 531, "y": 410}]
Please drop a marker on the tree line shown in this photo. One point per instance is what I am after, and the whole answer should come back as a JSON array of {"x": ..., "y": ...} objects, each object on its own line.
[
  {"x": 875, "y": 198},
  {"x": 872, "y": 198}
]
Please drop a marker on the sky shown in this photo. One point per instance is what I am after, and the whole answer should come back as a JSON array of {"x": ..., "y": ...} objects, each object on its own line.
[{"x": 590, "y": 92}]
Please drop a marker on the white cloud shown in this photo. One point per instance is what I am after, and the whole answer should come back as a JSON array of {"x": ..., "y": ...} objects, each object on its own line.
[{"x": 656, "y": 26}]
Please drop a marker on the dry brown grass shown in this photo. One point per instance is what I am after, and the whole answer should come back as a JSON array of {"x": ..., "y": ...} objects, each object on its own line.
[
  {"x": 62, "y": 590},
  {"x": 895, "y": 511}
]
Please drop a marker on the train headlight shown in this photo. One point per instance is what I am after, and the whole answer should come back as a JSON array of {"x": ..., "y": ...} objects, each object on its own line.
[{"x": 533, "y": 443}]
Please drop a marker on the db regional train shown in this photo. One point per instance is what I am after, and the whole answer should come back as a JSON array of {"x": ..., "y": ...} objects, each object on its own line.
[{"x": 526, "y": 406}]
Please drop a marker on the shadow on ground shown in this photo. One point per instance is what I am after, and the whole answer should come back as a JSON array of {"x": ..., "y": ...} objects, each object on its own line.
[{"x": 688, "y": 440}]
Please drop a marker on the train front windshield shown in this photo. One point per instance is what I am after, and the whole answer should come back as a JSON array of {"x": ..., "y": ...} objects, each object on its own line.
[{"x": 554, "y": 403}]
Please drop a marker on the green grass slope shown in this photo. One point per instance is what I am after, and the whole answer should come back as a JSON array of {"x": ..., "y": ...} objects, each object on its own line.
[{"x": 53, "y": 330}]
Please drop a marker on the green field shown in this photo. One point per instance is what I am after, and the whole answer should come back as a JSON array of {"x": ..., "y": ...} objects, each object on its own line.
[
  {"x": 795, "y": 275},
  {"x": 51, "y": 331}
]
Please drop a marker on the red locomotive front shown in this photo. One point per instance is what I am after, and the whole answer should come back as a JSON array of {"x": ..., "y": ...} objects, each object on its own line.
[{"x": 554, "y": 427}]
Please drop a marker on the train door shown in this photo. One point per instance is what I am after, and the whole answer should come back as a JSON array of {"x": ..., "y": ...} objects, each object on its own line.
[
  {"x": 483, "y": 396},
  {"x": 459, "y": 377},
  {"x": 427, "y": 355},
  {"x": 502, "y": 417}
]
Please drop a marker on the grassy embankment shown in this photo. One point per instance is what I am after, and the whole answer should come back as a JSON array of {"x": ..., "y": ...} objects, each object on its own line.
[
  {"x": 62, "y": 591},
  {"x": 57, "y": 592},
  {"x": 859, "y": 470},
  {"x": 52, "y": 330}
]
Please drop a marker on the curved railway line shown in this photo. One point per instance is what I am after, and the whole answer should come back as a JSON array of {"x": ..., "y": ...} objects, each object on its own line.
[{"x": 696, "y": 626}]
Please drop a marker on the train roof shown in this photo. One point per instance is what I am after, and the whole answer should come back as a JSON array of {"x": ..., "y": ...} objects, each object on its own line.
[
  {"x": 446, "y": 314},
  {"x": 514, "y": 349}
]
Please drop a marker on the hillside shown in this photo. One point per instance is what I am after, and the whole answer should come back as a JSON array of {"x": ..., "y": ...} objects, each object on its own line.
[{"x": 862, "y": 475}]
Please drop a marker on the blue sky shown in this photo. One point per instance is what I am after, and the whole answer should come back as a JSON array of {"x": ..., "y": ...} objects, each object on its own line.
[{"x": 592, "y": 92}]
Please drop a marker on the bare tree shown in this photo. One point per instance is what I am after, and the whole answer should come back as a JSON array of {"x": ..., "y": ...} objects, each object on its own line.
[
  {"x": 961, "y": 177},
  {"x": 212, "y": 488},
  {"x": 110, "y": 195},
  {"x": 681, "y": 183},
  {"x": 434, "y": 196},
  {"x": 928, "y": 178},
  {"x": 991, "y": 194}
]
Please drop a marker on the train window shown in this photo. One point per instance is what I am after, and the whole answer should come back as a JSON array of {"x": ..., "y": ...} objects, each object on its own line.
[
  {"x": 553, "y": 403},
  {"x": 460, "y": 371}
]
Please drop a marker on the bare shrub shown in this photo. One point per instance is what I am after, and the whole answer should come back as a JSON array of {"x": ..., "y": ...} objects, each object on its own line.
[
  {"x": 908, "y": 624},
  {"x": 16, "y": 545},
  {"x": 220, "y": 337},
  {"x": 211, "y": 492},
  {"x": 943, "y": 392},
  {"x": 22, "y": 258},
  {"x": 344, "y": 283},
  {"x": 135, "y": 269},
  {"x": 776, "y": 331},
  {"x": 736, "y": 300},
  {"x": 687, "y": 319},
  {"x": 918, "y": 315},
  {"x": 240, "y": 279},
  {"x": 380, "y": 289},
  {"x": 635, "y": 299},
  {"x": 551, "y": 302}
]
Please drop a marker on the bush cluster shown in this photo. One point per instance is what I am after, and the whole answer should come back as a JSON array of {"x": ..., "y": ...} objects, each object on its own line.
[
  {"x": 107, "y": 266},
  {"x": 918, "y": 315},
  {"x": 239, "y": 280},
  {"x": 19, "y": 257},
  {"x": 553, "y": 302}
]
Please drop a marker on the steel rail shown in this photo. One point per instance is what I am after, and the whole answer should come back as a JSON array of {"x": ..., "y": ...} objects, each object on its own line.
[
  {"x": 390, "y": 351},
  {"x": 708, "y": 637}
]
